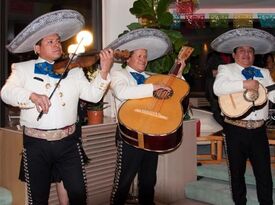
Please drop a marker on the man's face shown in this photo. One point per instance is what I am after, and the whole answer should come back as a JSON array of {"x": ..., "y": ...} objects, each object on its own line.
[
  {"x": 138, "y": 60},
  {"x": 269, "y": 62},
  {"x": 49, "y": 48},
  {"x": 244, "y": 56}
]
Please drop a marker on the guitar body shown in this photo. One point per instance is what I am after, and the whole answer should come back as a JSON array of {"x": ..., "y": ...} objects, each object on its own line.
[
  {"x": 236, "y": 105},
  {"x": 155, "y": 124}
]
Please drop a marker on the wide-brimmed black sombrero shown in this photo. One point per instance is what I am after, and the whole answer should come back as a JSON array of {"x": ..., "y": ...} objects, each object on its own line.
[
  {"x": 262, "y": 41},
  {"x": 66, "y": 23},
  {"x": 156, "y": 42}
]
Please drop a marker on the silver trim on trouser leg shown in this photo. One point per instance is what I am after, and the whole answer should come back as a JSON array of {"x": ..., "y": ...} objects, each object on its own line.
[
  {"x": 83, "y": 169},
  {"x": 27, "y": 176},
  {"x": 228, "y": 169},
  {"x": 117, "y": 171}
]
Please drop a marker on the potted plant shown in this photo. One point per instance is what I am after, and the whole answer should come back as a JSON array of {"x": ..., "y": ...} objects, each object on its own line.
[
  {"x": 95, "y": 113},
  {"x": 155, "y": 14}
]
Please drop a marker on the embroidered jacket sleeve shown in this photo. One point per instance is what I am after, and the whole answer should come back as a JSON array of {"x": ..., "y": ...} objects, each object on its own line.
[
  {"x": 13, "y": 92},
  {"x": 228, "y": 80},
  {"x": 124, "y": 86},
  {"x": 92, "y": 91}
]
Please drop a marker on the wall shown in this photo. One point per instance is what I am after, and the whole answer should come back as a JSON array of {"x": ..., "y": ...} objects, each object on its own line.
[{"x": 115, "y": 18}]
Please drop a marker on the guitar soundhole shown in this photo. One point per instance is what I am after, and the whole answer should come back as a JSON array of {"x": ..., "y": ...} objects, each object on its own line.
[
  {"x": 163, "y": 94},
  {"x": 251, "y": 95}
]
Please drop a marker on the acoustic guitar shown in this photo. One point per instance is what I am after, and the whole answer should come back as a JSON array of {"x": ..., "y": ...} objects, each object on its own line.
[
  {"x": 238, "y": 104},
  {"x": 155, "y": 123}
]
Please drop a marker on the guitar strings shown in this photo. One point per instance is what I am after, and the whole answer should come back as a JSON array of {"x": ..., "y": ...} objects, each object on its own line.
[{"x": 157, "y": 104}]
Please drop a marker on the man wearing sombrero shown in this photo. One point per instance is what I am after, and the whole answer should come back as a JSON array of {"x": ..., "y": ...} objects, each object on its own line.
[
  {"x": 51, "y": 144},
  {"x": 128, "y": 83},
  {"x": 245, "y": 133}
]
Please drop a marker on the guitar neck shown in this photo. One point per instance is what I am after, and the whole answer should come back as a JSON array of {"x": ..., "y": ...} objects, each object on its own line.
[
  {"x": 175, "y": 69},
  {"x": 184, "y": 54}
]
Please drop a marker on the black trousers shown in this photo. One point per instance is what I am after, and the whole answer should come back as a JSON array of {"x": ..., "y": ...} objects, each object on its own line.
[
  {"x": 132, "y": 161},
  {"x": 252, "y": 144},
  {"x": 41, "y": 158}
]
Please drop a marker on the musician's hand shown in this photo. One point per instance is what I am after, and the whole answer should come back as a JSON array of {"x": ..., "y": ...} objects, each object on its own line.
[
  {"x": 161, "y": 87},
  {"x": 42, "y": 102},
  {"x": 161, "y": 91},
  {"x": 106, "y": 62},
  {"x": 182, "y": 66},
  {"x": 251, "y": 84}
]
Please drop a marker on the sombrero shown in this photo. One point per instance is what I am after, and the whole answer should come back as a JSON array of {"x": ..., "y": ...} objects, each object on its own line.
[
  {"x": 155, "y": 41},
  {"x": 262, "y": 41},
  {"x": 66, "y": 23}
]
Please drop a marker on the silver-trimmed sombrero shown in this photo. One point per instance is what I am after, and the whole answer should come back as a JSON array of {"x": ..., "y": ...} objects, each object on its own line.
[
  {"x": 262, "y": 41},
  {"x": 155, "y": 41},
  {"x": 66, "y": 23}
]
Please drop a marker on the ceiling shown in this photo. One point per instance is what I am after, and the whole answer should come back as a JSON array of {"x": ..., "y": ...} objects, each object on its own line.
[{"x": 235, "y": 6}]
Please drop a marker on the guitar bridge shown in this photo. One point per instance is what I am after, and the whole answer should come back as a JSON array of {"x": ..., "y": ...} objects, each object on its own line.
[{"x": 151, "y": 113}]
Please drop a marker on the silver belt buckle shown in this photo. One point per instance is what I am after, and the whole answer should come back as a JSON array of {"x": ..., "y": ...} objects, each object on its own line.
[{"x": 249, "y": 124}]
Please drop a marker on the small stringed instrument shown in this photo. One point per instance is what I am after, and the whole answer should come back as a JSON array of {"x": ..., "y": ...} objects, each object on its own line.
[
  {"x": 155, "y": 123},
  {"x": 85, "y": 60},
  {"x": 238, "y": 104}
]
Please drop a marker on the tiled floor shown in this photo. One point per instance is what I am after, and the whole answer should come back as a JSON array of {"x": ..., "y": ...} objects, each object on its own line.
[
  {"x": 181, "y": 202},
  {"x": 189, "y": 202},
  {"x": 186, "y": 202}
]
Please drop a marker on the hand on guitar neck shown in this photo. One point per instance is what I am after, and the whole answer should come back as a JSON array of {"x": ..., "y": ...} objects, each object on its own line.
[
  {"x": 182, "y": 66},
  {"x": 179, "y": 62}
]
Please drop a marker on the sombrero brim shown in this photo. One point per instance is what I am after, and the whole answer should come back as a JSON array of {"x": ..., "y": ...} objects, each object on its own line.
[
  {"x": 262, "y": 41},
  {"x": 155, "y": 41},
  {"x": 66, "y": 23}
]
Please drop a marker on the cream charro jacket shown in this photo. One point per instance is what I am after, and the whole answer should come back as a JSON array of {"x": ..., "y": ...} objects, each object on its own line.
[
  {"x": 63, "y": 111},
  {"x": 230, "y": 80},
  {"x": 124, "y": 86}
]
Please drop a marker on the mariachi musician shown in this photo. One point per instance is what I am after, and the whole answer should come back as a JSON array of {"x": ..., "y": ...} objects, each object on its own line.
[
  {"x": 128, "y": 83},
  {"x": 245, "y": 132},
  {"x": 51, "y": 146}
]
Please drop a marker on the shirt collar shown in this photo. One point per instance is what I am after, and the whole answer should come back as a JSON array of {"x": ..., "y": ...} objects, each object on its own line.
[{"x": 41, "y": 60}]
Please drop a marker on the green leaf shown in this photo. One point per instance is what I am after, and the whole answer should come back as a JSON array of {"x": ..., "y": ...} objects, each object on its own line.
[
  {"x": 158, "y": 16},
  {"x": 163, "y": 6},
  {"x": 161, "y": 65},
  {"x": 176, "y": 38},
  {"x": 134, "y": 26},
  {"x": 186, "y": 69},
  {"x": 166, "y": 19},
  {"x": 141, "y": 8},
  {"x": 178, "y": 44},
  {"x": 197, "y": 50},
  {"x": 173, "y": 34},
  {"x": 96, "y": 106}
]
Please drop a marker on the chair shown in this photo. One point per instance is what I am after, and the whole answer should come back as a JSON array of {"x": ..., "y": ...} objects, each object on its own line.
[
  {"x": 210, "y": 133},
  {"x": 216, "y": 149}
]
